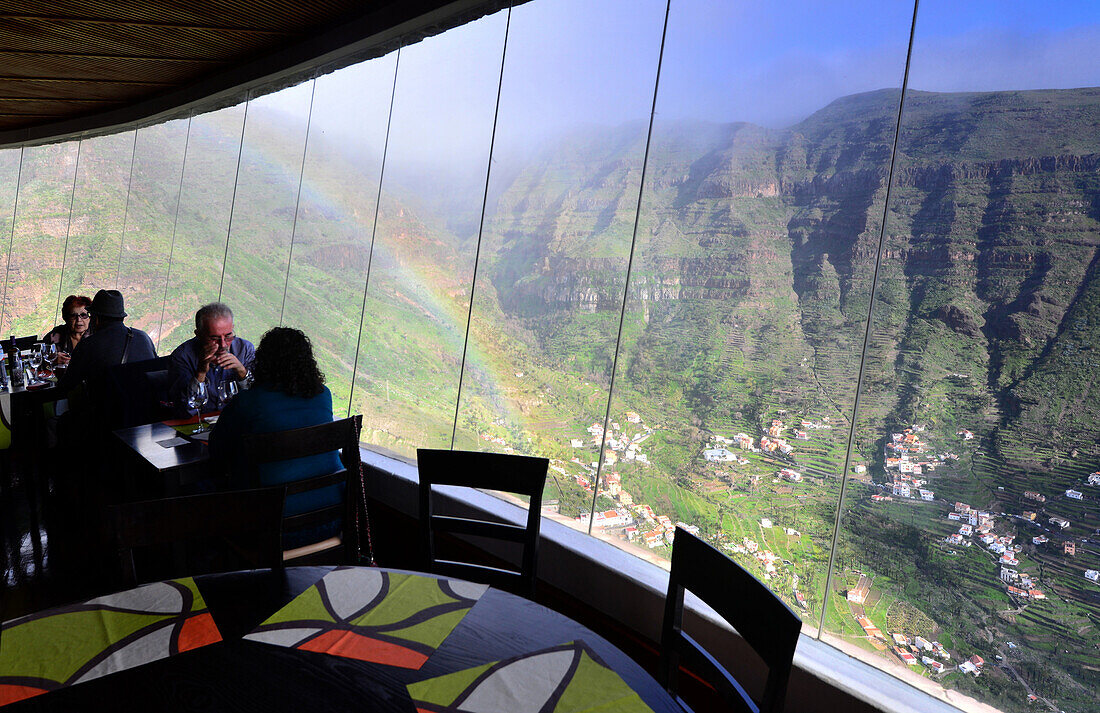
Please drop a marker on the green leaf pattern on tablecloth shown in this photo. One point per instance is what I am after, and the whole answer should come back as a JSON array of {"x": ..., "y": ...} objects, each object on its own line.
[
  {"x": 76, "y": 643},
  {"x": 372, "y": 615},
  {"x": 564, "y": 679}
]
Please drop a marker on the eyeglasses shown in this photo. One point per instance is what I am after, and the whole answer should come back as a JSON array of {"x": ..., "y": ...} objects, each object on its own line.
[{"x": 78, "y": 315}]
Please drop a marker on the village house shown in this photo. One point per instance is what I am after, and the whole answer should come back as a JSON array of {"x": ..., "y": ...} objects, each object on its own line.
[
  {"x": 1094, "y": 478},
  {"x": 927, "y": 495},
  {"x": 1009, "y": 560},
  {"x": 1075, "y": 494},
  {"x": 901, "y": 489},
  {"x": 1008, "y": 575},
  {"x": 1028, "y": 515},
  {"x": 1040, "y": 539},
  {"x": 1092, "y": 575},
  {"x": 718, "y": 455},
  {"x": 858, "y": 595},
  {"x": 1069, "y": 548},
  {"x": 932, "y": 664},
  {"x": 1032, "y": 495},
  {"x": 1059, "y": 522}
]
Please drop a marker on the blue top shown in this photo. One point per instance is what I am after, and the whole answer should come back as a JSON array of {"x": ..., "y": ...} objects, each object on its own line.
[
  {"x": 264, "y": 410},
  {"x": 185, "y": 362}
]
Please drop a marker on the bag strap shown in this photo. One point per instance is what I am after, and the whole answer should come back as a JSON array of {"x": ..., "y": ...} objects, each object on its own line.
[{"x": 126, "y": 349}]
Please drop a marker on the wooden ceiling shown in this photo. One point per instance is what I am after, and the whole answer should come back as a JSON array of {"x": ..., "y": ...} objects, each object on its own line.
[{"x": 69, "y": 67}]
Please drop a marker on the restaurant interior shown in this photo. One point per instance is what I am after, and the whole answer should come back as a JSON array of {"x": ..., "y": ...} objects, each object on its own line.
[{"x": 106, "y": 71}]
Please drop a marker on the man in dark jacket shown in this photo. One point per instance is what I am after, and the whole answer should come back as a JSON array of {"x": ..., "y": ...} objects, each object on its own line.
[{"x": 111, "y": 343}]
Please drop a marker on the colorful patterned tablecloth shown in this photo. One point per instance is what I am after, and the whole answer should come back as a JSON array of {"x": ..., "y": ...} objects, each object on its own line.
[
  {"x": 569, "y": 678},
  {"x": 76, "y": 643},
  {"x": 371, "y": 615}
]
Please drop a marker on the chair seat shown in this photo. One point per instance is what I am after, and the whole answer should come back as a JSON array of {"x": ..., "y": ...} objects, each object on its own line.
[{"x": 307, "y": 550}]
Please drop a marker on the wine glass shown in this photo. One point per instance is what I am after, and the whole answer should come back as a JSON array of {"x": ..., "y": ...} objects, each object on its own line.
[
  {"x": 229, "y": 390},
  {"x": 197, "y": 397},
  {"x": 50, "y": 356},
  {"x": 36, "y": 361}
]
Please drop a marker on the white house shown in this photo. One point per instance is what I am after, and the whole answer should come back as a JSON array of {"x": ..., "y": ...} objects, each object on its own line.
[
  {"x": 1092, "y": 574},
  {"x": 1075, "y": 494},
  {"x": 718, "y": 455}
]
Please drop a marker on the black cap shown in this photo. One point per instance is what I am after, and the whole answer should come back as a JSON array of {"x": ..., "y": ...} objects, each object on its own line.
[{"x": 108, "y": 303}]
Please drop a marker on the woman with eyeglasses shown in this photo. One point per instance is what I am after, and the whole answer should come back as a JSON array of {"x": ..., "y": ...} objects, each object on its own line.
[{"x": 74, "y": 310}]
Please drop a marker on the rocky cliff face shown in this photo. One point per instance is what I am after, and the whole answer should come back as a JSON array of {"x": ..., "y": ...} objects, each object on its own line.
[{"x": 989, "y": 250}]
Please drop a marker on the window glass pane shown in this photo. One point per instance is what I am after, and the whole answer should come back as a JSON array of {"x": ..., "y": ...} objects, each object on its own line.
[
  {"x": 419, "y": 290},
  {"x": 9, "y": 183},
  {"x": 978, "y": 426},
  {"x": 263, "y": 212},
  {"x": 38, "y": 242},
  {"x": 574, "y": 111},
  {"x": 151, "y": 213},
  {"x": 747, "y": 306},
  {"x": 99, "y": 207},
  {"x": 332, "y": 238},
  {"x": 206, "y": 200}
]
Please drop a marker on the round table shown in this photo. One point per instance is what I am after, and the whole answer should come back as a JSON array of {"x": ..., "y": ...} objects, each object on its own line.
[{"x": 241, "y": 675}]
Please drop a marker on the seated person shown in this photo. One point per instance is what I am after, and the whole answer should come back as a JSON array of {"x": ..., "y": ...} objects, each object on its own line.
[
  {"x": 111, "y": 342},
  {"x": 214, "y": 355},
  {"x": 77, "y": 325},
  {"x": 288, "y": 391}
]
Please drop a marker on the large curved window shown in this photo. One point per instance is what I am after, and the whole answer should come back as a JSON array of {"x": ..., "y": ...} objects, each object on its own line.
[{"x": 733, "y": 272}]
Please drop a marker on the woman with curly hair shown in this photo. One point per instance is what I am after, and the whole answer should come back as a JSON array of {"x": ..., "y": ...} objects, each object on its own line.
[{"x": 288, "y": 391}]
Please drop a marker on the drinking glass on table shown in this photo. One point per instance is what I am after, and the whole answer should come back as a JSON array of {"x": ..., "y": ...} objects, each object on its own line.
[
  {"x": 227, "y": 390},
  {"x": 36, "y": 361},
  {"x": 197, "y": 396},
  {"x": 50, "y": 355}
]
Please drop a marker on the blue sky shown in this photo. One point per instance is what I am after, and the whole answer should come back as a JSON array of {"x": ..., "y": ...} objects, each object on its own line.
[{"x": 592, "y": 62}]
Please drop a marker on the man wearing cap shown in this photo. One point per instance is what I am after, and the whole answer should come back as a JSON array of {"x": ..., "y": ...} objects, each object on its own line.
[
  {"x": 215, "y": 355},
  {"x": 111, "y": 343}
]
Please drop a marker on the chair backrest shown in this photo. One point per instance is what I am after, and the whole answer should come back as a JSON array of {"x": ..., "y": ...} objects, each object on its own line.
[
  {"x": 761, "y": 618},
  {"x": 247, "y": 520},
  {"x": 342, "y": 436},
  {"x": 124, "y": 395},
  {"x": 522, "y": 475},
  {"x": 23, "y": 343}
]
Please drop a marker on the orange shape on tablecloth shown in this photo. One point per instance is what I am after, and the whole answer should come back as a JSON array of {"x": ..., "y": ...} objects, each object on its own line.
[
  {"x": 10, "y": 693},
  {"x": 354, "y": 646},
  {"x": 197, "y": 631}
]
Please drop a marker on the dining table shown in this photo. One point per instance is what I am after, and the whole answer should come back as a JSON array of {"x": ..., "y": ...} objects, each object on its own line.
[
  {"x": 160, "y": 459},
  {"x": 362, "y": 639}
]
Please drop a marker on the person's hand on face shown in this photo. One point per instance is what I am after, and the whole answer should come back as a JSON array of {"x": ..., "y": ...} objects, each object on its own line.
[{"x": 216, "y": 340}]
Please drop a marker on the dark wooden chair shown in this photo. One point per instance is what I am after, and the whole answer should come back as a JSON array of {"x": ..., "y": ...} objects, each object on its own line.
[
  {"x": 132, "y": 394},
  {"x": 761, "y": 618},
  {"x": 521, "y": 475},
  {"x": 342, "y": 436},
  {"x": 23, "y": 343},
  {"x": 244, "y": 523}
]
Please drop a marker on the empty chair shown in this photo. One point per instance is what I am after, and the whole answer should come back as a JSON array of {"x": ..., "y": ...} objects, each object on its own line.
[
  {"x": 314, "y": 503},
  {"x": 762, "y": 619},
  {"x": 245, "y": 523},
  {"x": 522, "y": 475}
]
